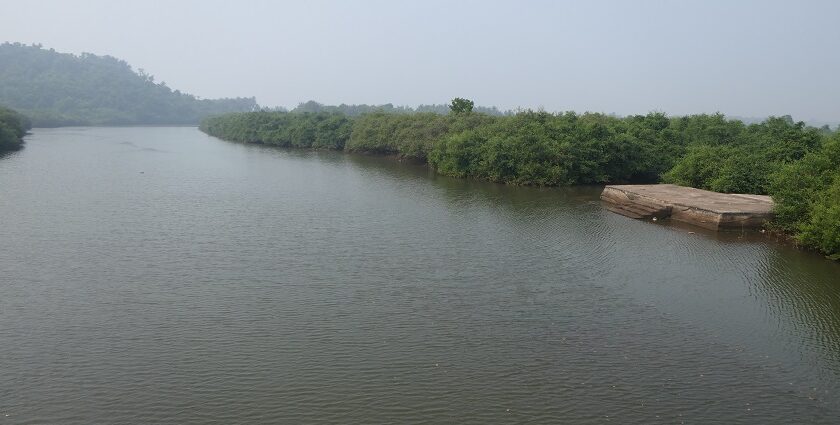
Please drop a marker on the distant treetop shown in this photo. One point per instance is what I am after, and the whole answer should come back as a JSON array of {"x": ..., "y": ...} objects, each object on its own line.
[
  {"x": 388, "y": 108},
  {"x": 460, "y": 105}
]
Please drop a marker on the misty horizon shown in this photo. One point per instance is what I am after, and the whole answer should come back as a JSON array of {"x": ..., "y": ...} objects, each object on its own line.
[{"x": 751, "y": 59}]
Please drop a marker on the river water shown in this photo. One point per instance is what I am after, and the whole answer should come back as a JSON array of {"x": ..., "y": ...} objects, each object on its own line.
[{"x": 158, "y": 275}]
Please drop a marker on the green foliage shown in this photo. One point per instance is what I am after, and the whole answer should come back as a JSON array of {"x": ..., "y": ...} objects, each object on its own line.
[
  {"x": 8, "y": 139},
  {"x": 539, "y": 148},
  {"x": 514, "y": 150},
  {"x": 730, "y": 157},
  {"x": 300, "y": 130},
  {"x": 404, "y": 135},
  {"x": 807, "y": 195},
  {"x": 388, "y": 108},
  {"x": 698, "y": 167},
  {"x": 743, "y": 172},
  {"x": 796, "y": 186},
  {"x": 525, "y": 151},
  {"x": 408, "y": 136},
  {"x": 57, "y": 89},
  {"x": 458, "y": 155},
  {"x": 722, "y": 168},
  {"x": 822, "y": 230},
  {"x": 781, "y": 140},
  {"x": 797, "y": 165},
  {"x": 460, "y": 105},
  {"x": 707, "y": 129},
  {"x": 13, "y": 126}
]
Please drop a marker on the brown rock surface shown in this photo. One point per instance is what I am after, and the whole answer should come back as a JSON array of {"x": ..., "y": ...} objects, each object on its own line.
[{"x": 711, "y": 210}]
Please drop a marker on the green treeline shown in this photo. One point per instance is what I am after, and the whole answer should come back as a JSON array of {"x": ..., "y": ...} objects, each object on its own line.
[
  {"x": 58, "y": 89},
  {"x": 389, "y": 108},
  {"x": 305, "y": 130},
  {"x": 736, "y": 158},
  {"x": 807, "y": 195},
  {"x": 798, "y": 165},
  {"x": 13, "y": 126}
]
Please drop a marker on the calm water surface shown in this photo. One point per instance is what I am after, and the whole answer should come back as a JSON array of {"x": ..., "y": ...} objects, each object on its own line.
[{"x": 157, "y": 275}]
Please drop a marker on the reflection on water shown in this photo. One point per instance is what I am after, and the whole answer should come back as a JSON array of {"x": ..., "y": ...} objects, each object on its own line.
[{"x": 159, "y": 275}]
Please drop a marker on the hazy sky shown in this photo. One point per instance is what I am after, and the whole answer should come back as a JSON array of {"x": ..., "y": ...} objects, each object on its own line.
[{"x": 747, "y": 58}]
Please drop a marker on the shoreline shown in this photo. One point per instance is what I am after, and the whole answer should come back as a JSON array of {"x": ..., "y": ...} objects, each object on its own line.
[{"x": 768, "y": 232}]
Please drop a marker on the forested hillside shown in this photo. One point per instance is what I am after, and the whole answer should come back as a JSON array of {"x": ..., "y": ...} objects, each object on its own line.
[{"x": 57, "y": 89}]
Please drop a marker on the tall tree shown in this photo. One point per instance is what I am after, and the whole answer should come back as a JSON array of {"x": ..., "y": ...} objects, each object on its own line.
[{"x": 460, "y": 105}]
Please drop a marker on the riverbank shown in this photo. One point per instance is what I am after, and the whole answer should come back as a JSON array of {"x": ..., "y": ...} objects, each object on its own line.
[
  {"x": 795, "y": 164},
  {"x": 13, "y": 126}
]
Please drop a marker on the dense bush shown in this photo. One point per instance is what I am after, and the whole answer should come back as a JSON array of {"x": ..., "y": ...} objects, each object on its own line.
[
  {"x": 722, "y": 168},
  {"x": 807, "y": 195},
  {"x": 13, "y": 126},
  {"x": 320, "y": 130},
  {"x": 822, "y": 230},
  {"x": 734, "y": 158},
  {"x": 520, "y": 149},
  {"x": 409, "y": 136},
  {"x": 391, "y": 134},
  {"x": 477, "y": 153},
  {"x": 540, "y": 148}
]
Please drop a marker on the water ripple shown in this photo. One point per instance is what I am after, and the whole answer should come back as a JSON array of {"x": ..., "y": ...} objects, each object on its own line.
[{"x": 240, "y": 284}]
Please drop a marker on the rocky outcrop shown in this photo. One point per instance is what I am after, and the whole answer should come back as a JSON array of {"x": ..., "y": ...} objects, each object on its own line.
[{"x": 711, "y": 210}]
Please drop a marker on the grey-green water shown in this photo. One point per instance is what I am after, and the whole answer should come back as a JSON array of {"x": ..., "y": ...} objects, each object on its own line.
[{"x": 157, "y": 275}]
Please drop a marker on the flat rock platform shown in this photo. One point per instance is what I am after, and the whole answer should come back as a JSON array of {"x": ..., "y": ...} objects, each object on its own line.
[{"x": 711, "y": 210}]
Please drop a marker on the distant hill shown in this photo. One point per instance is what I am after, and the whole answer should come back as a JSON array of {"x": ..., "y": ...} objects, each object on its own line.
[{"x": 59, "y": 89}]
